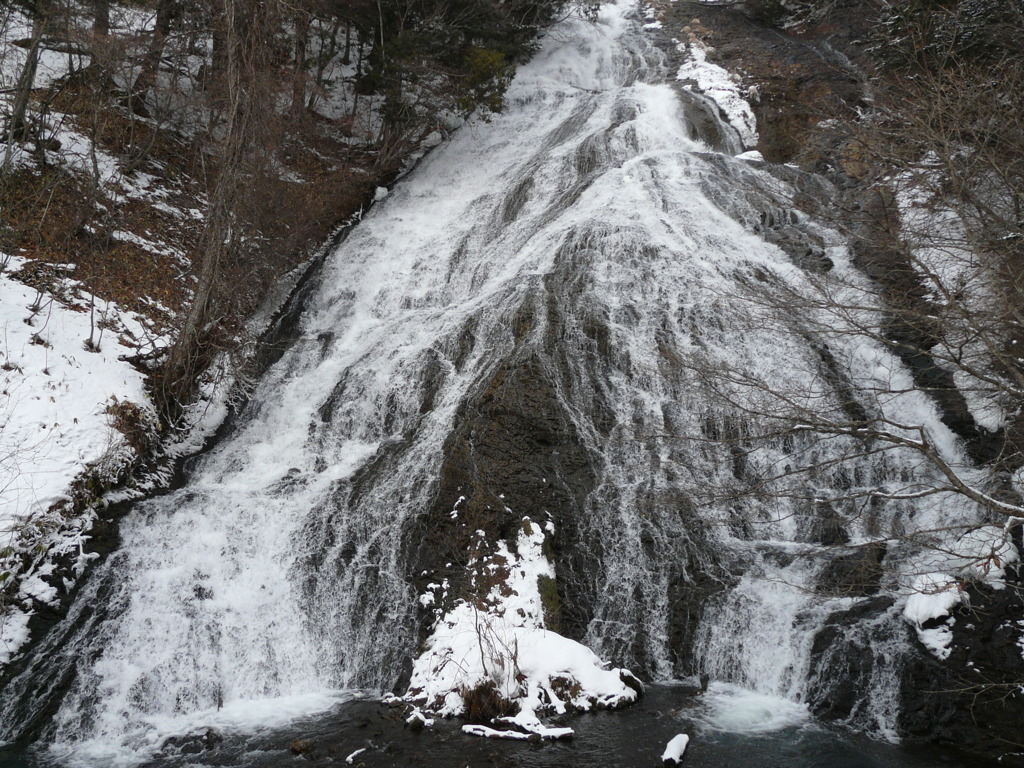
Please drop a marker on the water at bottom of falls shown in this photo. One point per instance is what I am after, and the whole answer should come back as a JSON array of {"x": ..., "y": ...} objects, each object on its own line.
[{"x": 730, "y": 727}]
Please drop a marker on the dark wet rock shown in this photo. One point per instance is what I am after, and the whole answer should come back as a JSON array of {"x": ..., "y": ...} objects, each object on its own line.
[
  {"x": 691, "y": 586},
  {"x": 192, "y": 743},
  {"x": 705, "y": 680},
  {"x": 513, "y": 452},
  {"x": 823, "y": 525},
  {"x": 301, "y": 746},
  {"x": 973, "y": 699},
  {"x": 913, "y": 328},
  {"x": 704, "y": 123},
  {"x": 843, "y": 662},
  {"x": 632, "y": 681},
  {"x": 857, "y": 573}
]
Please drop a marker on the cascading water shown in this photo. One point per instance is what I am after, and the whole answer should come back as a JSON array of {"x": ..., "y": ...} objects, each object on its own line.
[{"x": 570, "y": 259}]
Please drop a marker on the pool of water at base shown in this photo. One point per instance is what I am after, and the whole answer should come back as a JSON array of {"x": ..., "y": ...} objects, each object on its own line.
[{"x": 760, "y": 736}]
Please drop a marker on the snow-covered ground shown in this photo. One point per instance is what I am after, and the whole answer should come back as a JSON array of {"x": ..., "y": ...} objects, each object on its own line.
[
  {"x": 62, "y": 370},
  {"x": 57, "y": 411}
]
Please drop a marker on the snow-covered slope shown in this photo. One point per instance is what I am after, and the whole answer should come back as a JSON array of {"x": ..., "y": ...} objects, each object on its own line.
[{"x": 63, "y": 385}]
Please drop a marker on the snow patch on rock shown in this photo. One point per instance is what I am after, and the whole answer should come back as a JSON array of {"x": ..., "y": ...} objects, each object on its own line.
[
  {"x": 674, "y": 750},
  {"x": 722, "y": 87},
  {"x": 980, "y": 555},
  {"x": 935, "y": 595},
  {"x": 499, "y": 642}
]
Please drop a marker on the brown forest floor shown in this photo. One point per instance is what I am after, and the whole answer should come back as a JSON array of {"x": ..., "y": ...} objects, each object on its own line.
[{"x": 132, "y": 241}]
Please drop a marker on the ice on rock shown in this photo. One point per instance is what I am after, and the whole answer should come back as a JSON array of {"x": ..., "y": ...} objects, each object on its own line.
[{"x": 723, "y": 88}]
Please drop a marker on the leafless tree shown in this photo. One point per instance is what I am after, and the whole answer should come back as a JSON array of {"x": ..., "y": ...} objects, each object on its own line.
[
  {"x": 246, "y": 93},
  {"x": 918, "y": 344},
  {"x": 16, "y": 123}
]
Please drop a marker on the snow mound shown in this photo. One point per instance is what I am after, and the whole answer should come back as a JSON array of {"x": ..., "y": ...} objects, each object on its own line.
[
  {"x": 498, "y": 644},
  {"x": 674, "y": 750},
  {"x": 935, "y": 595}
]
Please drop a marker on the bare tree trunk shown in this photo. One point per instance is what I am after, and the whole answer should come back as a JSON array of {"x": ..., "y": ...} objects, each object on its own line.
[
  {"x": 219, "y": 53},
  {"x": 302, "y": 22},
  {"x": 101, "y": 17},
  {"x": 165, "y": 10},
  {"x": 323, "y": 59},
  {"x": 23, "y": 91},
  {"x": 245, "y": 42}
]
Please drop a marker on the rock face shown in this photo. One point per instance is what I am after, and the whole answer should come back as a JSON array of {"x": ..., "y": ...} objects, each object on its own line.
[
  {"x": 799, "y": 80},
  {"x": 970, "y": 701},
  {"x": 973, "y": 699},
  {"x": 516, "y": 449},
  {"x": 858, "y": 573},
  {"x": 513, "y": 448},
  {"x": 844, "y": 660}
]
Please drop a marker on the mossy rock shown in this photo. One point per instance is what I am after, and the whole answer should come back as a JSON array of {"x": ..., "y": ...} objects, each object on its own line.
[{"x": 550, "y": 602}]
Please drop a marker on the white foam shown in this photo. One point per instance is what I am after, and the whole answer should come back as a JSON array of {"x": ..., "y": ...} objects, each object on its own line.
[
  {"x": 732, "y": 709},
  {"x": 246, "y": 716}
]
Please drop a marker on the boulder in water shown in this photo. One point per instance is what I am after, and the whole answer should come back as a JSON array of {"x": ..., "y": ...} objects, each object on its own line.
[{"x": 673, "y": 754}]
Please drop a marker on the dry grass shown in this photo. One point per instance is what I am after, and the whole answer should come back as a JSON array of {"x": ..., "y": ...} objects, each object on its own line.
[{"x": 484, "y": 704}]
